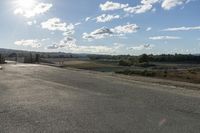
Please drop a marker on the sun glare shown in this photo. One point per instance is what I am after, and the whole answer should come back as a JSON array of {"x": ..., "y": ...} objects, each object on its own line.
[{"x": 25, "y": 4}]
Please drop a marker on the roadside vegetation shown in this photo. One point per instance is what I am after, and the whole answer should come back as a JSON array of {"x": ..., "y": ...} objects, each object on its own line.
[
  {"x": 2, "y": 59},
  {"x": 173, "y": 67}
]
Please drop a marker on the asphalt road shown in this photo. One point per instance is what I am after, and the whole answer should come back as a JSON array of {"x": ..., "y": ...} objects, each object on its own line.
[{"x": 43, "y": 99}]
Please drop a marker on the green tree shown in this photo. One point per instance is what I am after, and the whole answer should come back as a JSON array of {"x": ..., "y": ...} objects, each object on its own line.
[{"x": 144, "y": 58}]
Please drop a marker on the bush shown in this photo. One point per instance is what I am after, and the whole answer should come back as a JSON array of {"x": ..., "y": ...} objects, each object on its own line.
[
  {"x": 138, "y": 72},
  {"x": 165, "y": 73},
  {"x": 2, "y": 59},
  {"x": 148, "y": 73},
  {"x": 192, "y": 71},
  {"x": 145, "y": 65},
  {"x": 125, "y": 63},
  {"x": 144, "y": 58}
]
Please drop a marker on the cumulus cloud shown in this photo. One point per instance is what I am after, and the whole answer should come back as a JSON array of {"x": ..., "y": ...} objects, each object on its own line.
[
  {"x": 128, "y": 28},
  {"x": 138, "y": 9},
  {"x": 95, "y": 49},
  {"x": 55, "y": 24},
  {"x": 31, "y": 43},
  {"x": 164, "y": 38},
  {"x": 37, "y": 9},
  {"x": 69, "y": 44},
  {"x": 182, "y": 28},
  {"x": 145, "y": 6},
  {"x": 169, "y": 4},
  {"x": 66, "y": 42},
  {"x": 141, "y": 47},
  {"x": 148, "y": 5},
  {"x": 109, "y": 5},
  {"x": 106, "y": 32},
  {"x": 106, "y": 18},
  {"x": 98, "y": 34},
  {"x": 146, "y": 2}
]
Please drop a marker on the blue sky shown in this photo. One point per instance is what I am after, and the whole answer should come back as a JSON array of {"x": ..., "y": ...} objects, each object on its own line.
[{"x": 101, "y": 26}]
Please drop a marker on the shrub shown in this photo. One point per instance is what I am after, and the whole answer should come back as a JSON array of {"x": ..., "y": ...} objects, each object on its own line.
[
  {"x": 144, "y": 58},
  {"x": 165, "y": 73},
  {"x": 2, "y": 59},
  {"x": 192, "y": 71},
  {"x": 145, "y": 65},
  {"x": 125, "y": 63},
  {"x": 138, "y": 72}
]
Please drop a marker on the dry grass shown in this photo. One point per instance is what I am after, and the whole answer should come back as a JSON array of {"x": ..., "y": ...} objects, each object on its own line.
[{"x": 171, "y": 71}]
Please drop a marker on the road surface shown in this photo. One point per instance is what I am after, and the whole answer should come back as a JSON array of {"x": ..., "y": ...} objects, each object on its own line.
[{"x": 44, "y": 99}]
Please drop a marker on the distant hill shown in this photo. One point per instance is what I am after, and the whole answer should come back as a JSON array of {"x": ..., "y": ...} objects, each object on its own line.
[{"x": 9, "y": 52}]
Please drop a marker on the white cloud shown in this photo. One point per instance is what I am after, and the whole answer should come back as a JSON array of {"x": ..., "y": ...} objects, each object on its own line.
[
  {"x": 109, "y": 5},
  {"x": 149, "y": 29},
  {"x": 106, "y": 18},
  {"x": 98, "y": 34},
  {"x": 141, "y": 47},
  {"x": 31, "y": 22},
  {"x": 78, "y": 23},
  {"x": 37, "y": 9},
  {"x": 145, "y": 6},
  {"x": 87, "y": 19},
  {"x": 123, "y": 29},
  {"x": 106, "y": 32},
  {"x": 69, "y": 44},
  {"x": 54, "y": 24},
  {"x": 164, "y": 38},
  {"x": 31, "y": 43},
  {"x": 54, "y": 46},
  {"x": 169, "y": 4},
  {"x": 146, "y": 2},
  {"x": 66, "y": 42},
  {"x": 148, "y": 5},
  {"x": 138, "y": 9},
  {"x": 182, "y": 28},
  {"x": 95, "y": 49}
]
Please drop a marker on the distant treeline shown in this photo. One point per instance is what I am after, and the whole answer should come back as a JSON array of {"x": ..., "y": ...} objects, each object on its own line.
[
  {"x": 130, "y": 60},
  {"x": 127, "y": 58},
  {"x": 8, "y": 53},
  {"x": 175, "y": 58}
]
